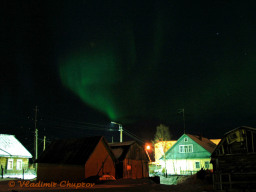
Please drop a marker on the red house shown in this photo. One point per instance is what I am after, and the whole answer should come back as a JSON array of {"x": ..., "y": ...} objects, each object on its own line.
[
  {"x": 132, "y": 160},
  {"x": 76, "y": 159}
]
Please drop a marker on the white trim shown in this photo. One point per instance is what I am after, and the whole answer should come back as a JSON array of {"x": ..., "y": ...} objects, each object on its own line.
[
  {"x": 10, "y": 165},
  {"x": 186, "y": 148},
  {"x": 19, "y": 160}
]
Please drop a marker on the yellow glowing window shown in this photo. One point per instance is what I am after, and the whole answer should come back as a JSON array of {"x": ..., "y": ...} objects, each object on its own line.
[
  {"x": 10, "y": 164},
  {"x": 19, "y": 164}
]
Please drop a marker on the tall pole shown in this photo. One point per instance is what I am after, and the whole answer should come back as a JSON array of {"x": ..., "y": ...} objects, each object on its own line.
[
  {"x": 36, "y": 136},
  {"x": 121, "y": 133},
  {"x": 120, "y": 129},
  {"x": 44, "y": 142}
]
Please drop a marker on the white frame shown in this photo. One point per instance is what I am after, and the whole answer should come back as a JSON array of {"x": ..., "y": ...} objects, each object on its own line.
[
  {"x": 185, "y": 139},
  {"x": 198, "y": 164},
  {"x": 8, "y": 164},
  {"x": 19, "y": 160},
  {"x": 186, "y": 148}
]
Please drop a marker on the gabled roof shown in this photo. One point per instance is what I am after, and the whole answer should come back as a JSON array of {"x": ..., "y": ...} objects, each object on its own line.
[
  {"x": 204, "y": 142},
  {"x": 11, "y": 147},
  {"x": 72, "y": 151},
  {"x": 241, "y": 127},
  {"x": 230, "y": 132},
  {"x": 121, "y": 149}
]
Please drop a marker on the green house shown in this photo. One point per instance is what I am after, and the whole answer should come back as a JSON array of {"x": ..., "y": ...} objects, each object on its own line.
[{"x": 188, "y": 155}]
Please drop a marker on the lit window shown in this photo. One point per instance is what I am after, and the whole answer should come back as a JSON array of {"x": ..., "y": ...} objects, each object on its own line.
[
  {"x": 190, "y": 148},
  {"x": 197, "y": 165},
  {"x": 185, "y": 139},
  {"x": 207, "y": 164},
  {"x": 186, "y": 148},
  {"x": 129, "y": 167},
  {"x": 19, "y": 164},
  {"x": 181, "y": 148},
  {"x": 10, "y": 164}
]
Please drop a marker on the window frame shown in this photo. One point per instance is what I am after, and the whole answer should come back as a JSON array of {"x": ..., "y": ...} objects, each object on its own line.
[
  {"x": 185, "y": 139},
  {"x": 8, "y": 164},
  {"x": 208, "y": 164},
  {"x": 19, "y": 160},
  {"x": 186, "y": 148},
  {"x": 197, "y": 163}
]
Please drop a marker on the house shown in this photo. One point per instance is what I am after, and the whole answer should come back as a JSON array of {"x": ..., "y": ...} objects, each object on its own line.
[
  {"x": 132, "y": 160},
  {"x": 14, "y": 157},
  {"x": 234, "y": 160},
  {"x": 188, "y": 155},
  {"x": 76, "y": 159},
  {"x": 162, "y": 147}
]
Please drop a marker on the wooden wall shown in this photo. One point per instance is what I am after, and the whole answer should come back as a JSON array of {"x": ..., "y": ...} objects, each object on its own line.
[
  {"x": 100, "y": 157},
  {"x": 4, "y": 160},
  {"x": 55, "y": 172}
]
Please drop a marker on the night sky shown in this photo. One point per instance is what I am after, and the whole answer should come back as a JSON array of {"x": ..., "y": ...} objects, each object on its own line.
[{"x": 87, "y": 63}]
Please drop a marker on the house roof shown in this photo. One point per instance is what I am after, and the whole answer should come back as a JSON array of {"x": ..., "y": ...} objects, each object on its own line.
[
  {"x": 204, "y": 142},
  {"x": 228, "y": 133},
  {"x": 241, "y": 127},
  {"x": 10, "y": 146},
  {"x": 120, "y": 150},
  {"x": 71, "y": 151}
]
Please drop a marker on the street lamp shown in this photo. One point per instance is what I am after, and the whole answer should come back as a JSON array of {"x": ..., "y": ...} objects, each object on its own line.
[
  {"x": 147, "y": 149},
  {"x": 120, "y": 129}
]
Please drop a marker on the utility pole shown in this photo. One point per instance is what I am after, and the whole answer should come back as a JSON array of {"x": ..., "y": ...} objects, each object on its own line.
[
  {"x": 121, "y": 133},
  {"x": 44, "y": 142},
  {"x": 120, "y": 129},
  {"x": 36, "y": 136}
]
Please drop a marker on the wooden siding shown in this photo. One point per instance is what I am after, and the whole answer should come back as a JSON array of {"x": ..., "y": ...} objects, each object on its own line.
[
  {"x": 58, "y": 172},
  {"x": 54, "y": 172},
  {"x": 4, "y": 161},
  {"x": 234, "y": 160},
  {"x": 99, "y": 157},
  {"x": 198, "y": 151},
  {"x": 139, "y": 169},
  {"x": 185, "y": 166}
]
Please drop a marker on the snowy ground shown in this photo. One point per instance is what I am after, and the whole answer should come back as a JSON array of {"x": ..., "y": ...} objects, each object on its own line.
[{"x": 124, "y": 185}]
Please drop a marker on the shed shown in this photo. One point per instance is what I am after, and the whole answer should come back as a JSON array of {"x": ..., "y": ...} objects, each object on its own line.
[
  {"x": 234, "y": 160},
  {"x": 132, "y": 160},
  {"x": 14, "y": 157},
  {"x": 76, "y": 159}
]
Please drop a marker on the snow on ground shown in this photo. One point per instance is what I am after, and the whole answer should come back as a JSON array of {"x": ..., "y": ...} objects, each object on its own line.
[
  {"x": 190, "y": 184},
  {"x": 20, "y": 176}
]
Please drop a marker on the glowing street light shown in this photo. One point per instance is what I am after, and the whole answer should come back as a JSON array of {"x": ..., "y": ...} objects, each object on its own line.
[
  {"x": 120, "y": 129},
  {"x": 147, "y": 149}
]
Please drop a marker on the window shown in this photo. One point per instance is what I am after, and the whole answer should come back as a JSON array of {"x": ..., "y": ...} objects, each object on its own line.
[
  {"x": 197, "y": 165},
  {"x": 10, "y": 164},
  {"x": 185, "y": 139},
  {"x": 19, "y": 164},
  {"x": 190, "y": 148},
  {"x": 186, "y": 148},
  {"x": 207, "y": 164},
  {"x": 181, "y": 148}
]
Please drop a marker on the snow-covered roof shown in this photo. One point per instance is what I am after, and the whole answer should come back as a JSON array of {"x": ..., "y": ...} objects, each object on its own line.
[{"x": 11, "y": 147}]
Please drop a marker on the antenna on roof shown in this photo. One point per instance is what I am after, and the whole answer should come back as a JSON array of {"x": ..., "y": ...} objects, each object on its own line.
[{"x": 183, "y": 116}]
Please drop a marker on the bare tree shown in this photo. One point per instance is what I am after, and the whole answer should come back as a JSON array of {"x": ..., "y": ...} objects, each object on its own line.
[{"x": 162, "y": 135}]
